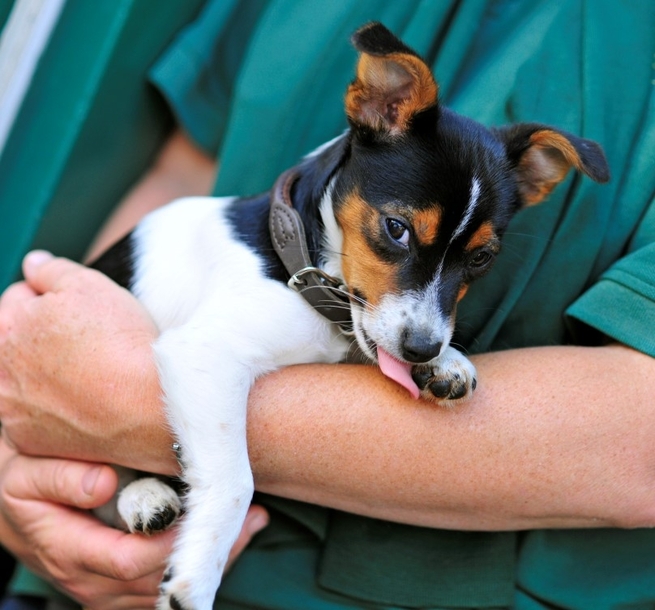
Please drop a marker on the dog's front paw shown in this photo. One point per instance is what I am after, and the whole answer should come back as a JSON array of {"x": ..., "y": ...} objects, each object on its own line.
[
  {"x": 148, "y": 505},
  {"x": 448, "y": 381}
]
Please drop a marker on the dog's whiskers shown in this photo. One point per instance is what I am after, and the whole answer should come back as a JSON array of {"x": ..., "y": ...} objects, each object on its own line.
[{"x": 363, "y": 302}]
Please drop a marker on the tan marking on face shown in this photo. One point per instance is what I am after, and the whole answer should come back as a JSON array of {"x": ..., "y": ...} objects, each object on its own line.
[
  {"x": 426, "y": 225},
  {"x": 484, "y": 235},
  {"x": 390, "y": 90},
  {"x": 462, "y": 292},
  {"x": 362, "y": 269}
]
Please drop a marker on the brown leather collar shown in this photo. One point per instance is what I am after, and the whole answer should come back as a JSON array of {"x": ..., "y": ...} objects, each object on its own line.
[{"x": 323, "y": 292}]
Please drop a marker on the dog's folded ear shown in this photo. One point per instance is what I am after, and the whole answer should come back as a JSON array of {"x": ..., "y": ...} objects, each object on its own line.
[
  {"x": 542, "y": 156},
  {"x": 393, "y": 83}
]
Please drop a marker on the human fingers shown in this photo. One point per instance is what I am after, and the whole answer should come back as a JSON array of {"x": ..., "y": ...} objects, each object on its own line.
[
  {"x": 73, "y": 363},
  {"x": 13, "y": 297},
  {"x": 71, "y": 483},
  {"x": 99, "y": 566},
  {"x": 96, "y": 565},
  {"x": 99, "y": 549},
  {"x": 118, "y": 555}
]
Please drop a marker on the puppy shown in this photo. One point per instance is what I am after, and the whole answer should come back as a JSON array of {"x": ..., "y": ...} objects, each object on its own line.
[{"x": 375, "y": 235}]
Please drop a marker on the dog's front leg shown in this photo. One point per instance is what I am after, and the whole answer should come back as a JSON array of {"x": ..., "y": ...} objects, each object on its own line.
[{"x": 206, "y": 389}]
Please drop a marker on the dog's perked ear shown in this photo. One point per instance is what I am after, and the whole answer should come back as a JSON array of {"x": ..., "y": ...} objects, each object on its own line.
[
  {"x": 393, "y": 83},
  {"x": 542, "y": 156}
]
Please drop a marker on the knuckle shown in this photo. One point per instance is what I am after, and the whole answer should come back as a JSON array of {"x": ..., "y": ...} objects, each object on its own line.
[{"x": 59, "y": 482}]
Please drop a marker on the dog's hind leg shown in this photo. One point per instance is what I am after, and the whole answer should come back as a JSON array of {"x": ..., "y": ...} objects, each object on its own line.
[{"x": 206, "y": 389}]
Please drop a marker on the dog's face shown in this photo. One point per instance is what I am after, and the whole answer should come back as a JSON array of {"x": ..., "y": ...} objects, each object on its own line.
[
  {"x": 421, "y": 218},
  {"x": 426, "y": 195}
]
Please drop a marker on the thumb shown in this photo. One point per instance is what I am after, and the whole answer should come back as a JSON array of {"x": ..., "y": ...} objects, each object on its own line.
[
  {"x": 45, "y": 272},
  {"x": 79, "y": 484}
]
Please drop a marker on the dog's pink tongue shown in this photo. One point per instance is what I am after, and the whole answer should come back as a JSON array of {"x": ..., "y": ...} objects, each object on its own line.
[{"x": 400, "y": 372}]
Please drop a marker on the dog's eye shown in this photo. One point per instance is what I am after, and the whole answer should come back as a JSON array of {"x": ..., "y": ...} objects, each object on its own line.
[
  {"x": 397, "y": 231},
  {"x": 481, "y": 259}
]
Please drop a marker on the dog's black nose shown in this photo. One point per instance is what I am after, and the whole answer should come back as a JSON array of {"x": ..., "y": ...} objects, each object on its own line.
[{"x": 418, "y": 348}]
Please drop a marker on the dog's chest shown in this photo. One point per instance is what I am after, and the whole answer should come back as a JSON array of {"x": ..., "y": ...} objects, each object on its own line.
[{"x": 190, "y": 269}]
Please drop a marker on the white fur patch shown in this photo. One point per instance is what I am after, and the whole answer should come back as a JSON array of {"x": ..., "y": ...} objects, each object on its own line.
[
  {"x": 470, "y": 208},
  {"x": 417, "y": 311}
]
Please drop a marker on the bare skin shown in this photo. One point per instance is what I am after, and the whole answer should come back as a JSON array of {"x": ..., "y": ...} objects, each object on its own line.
[
  {"x": 48, "y": 494},
  {"x": 542, "y": 444}
]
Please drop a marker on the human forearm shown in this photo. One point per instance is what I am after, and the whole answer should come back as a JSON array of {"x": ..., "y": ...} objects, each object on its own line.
[{"x": 554, "y": 437}]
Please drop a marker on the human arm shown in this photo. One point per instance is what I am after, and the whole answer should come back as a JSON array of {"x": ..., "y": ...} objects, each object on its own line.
[
  {"x": 553, "y": 437},
  {"x": 545, "y": 442}
]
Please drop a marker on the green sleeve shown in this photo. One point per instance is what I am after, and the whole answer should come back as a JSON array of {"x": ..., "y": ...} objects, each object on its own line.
[
  {"x": 197, "y": 73},
  {"x": 622, "y": 304}
]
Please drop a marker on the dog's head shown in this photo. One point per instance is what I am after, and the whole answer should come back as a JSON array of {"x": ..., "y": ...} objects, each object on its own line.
[{"x": 425, "y": 195}]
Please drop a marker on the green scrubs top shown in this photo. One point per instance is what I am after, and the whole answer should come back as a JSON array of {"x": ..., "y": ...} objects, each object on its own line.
[{"x": 573, "y": 270}]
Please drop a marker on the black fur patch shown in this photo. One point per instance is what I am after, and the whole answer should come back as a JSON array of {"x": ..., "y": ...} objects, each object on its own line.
[{"x": 118, "y": 262}]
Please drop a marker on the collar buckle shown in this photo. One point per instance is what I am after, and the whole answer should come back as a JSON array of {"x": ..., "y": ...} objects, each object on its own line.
[{"x": 297, "y": 282}]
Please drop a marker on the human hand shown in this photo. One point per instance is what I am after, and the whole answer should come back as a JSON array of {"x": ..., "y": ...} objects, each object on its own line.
[
  {"x": 41, "y": 524},
  {"x": 77, "y": 379},
  {"x": 102, "y": 568}
]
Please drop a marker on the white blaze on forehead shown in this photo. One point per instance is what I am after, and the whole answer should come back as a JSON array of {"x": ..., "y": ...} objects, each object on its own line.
[{"x": 470, "y": 208}]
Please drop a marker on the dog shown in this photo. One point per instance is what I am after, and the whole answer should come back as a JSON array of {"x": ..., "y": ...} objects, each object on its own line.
[{"x": 376, "y": 235}]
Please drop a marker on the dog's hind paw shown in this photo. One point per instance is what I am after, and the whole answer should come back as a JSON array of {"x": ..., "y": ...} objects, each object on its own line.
[
  {"x": 450, "y": 380},
  {"x": 148, "y": 505}
]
